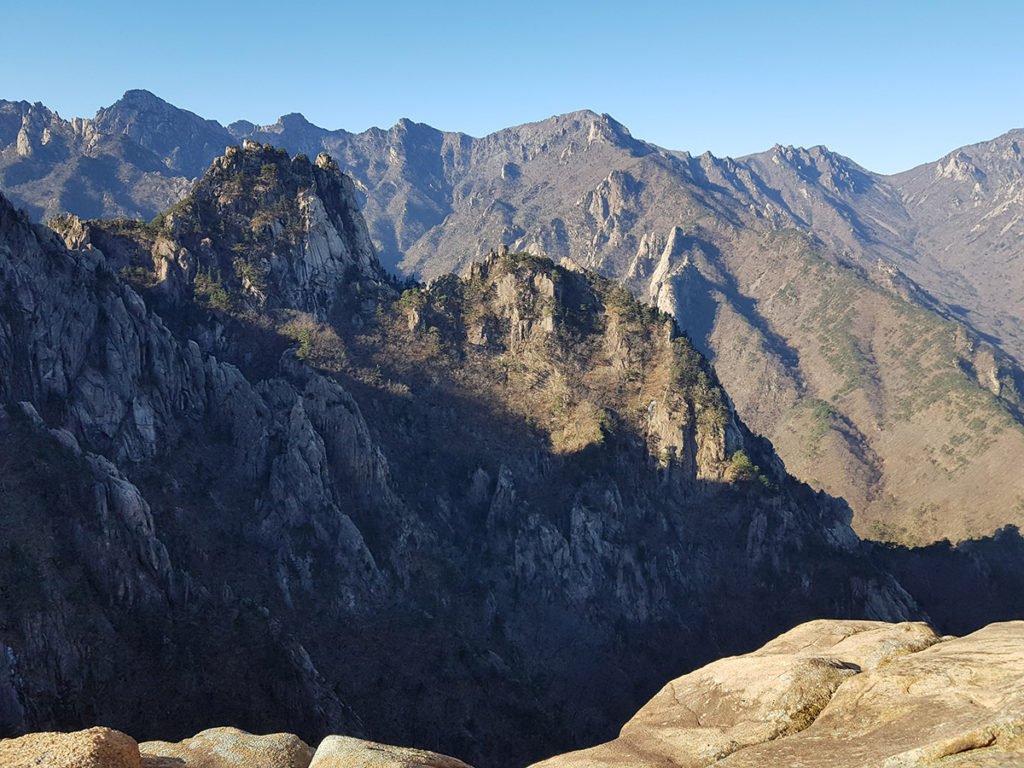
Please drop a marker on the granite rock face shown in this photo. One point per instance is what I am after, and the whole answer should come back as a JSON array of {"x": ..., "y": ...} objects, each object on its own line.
[
  {"x": 830, "y": 693},
  {"x": 346, "y": 752},
  {"x": 94, "y": 748},
  {"x": 213, "y": 748},
  {"x": 291, "y": 241},
  {"x": 229, "y": 748}
]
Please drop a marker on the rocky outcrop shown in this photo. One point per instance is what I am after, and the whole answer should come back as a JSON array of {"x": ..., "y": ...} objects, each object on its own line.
[
  {"x": 957, "y": 702},
  {"x": 346, "y": 752},
  {"x": 213, "y": 748},
  {"x": 94, "y": 748},
  {"x": 228, "y": 748},
  {"x": 832, "y": 693},
  {"x": 291, "y": 232}
]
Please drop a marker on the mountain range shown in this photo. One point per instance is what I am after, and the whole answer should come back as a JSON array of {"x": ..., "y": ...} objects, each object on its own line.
[
  {"x": 247, "y": 467},
  {"x": 868, "y": 325}
]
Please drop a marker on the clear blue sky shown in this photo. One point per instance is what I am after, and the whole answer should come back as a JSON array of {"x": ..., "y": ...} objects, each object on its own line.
[{"x": 890, "y": 84}]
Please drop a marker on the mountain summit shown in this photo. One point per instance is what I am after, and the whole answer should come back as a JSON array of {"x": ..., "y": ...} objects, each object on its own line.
[{"x": 183, "y": 140}]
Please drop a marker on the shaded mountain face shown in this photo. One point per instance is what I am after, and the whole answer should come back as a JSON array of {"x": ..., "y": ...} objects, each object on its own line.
[
  {"x": 246, "y": 468},
  {"x": 865, "y": 324}
]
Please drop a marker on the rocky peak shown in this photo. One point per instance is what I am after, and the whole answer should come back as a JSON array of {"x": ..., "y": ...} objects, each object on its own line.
[
  {"x": 293, "y": 121},
  {"x": 596, "y": 353},
  {"x": 181, "y": 138},
  {"x": 580, "y": 130},
  {"x": 413, "y": 146},
  {"x": 241, "y": 128},
  {"x": 995, "y": 165},
  {"x": 260, "y": 230},
  {"x": 293, "y": 126},
  {"x": 607, "y": 129},
  {"x": 407, "y": 130},
  {"x": 28, "y": 127},
  {"x": 820, "y": 165},
  {"x": 959, "y": 166},
  {"x": 11, "y": 114},
  {"x": 142, "y": 100},
  {"x": 278, "y": 231}
]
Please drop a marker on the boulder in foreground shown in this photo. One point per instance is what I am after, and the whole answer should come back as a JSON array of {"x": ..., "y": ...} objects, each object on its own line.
[
  {"x": 837, "y": 694},
  {"x": 228, "y": 748},
  {"x": 347, "y": 752},
  {"x": 92, "y": 748}
]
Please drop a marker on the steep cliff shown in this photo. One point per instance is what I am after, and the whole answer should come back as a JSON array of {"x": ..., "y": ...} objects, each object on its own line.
[{"x": 253, "y": 471}]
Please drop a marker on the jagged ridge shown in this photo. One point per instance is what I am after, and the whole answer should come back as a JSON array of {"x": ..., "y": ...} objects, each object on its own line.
[{"x": 754, "y": 256}]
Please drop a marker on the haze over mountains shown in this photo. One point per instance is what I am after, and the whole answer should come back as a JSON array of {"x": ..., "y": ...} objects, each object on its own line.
[{"x": 870, "y": 326}]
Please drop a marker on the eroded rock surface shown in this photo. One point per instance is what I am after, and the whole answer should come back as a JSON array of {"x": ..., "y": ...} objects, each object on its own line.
[
  {"x": 841, "y": 694},
  {"x": 223, "y": 747},
  {"x": 229, "y": 748},
  {"x": 960, "y": 702},
  {"x": 347, "y": 752},
  {"x": 92, "y": 748}
]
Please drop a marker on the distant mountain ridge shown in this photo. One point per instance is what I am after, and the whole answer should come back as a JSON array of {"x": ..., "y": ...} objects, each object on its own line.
[{"x": 869, "y": 325}]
